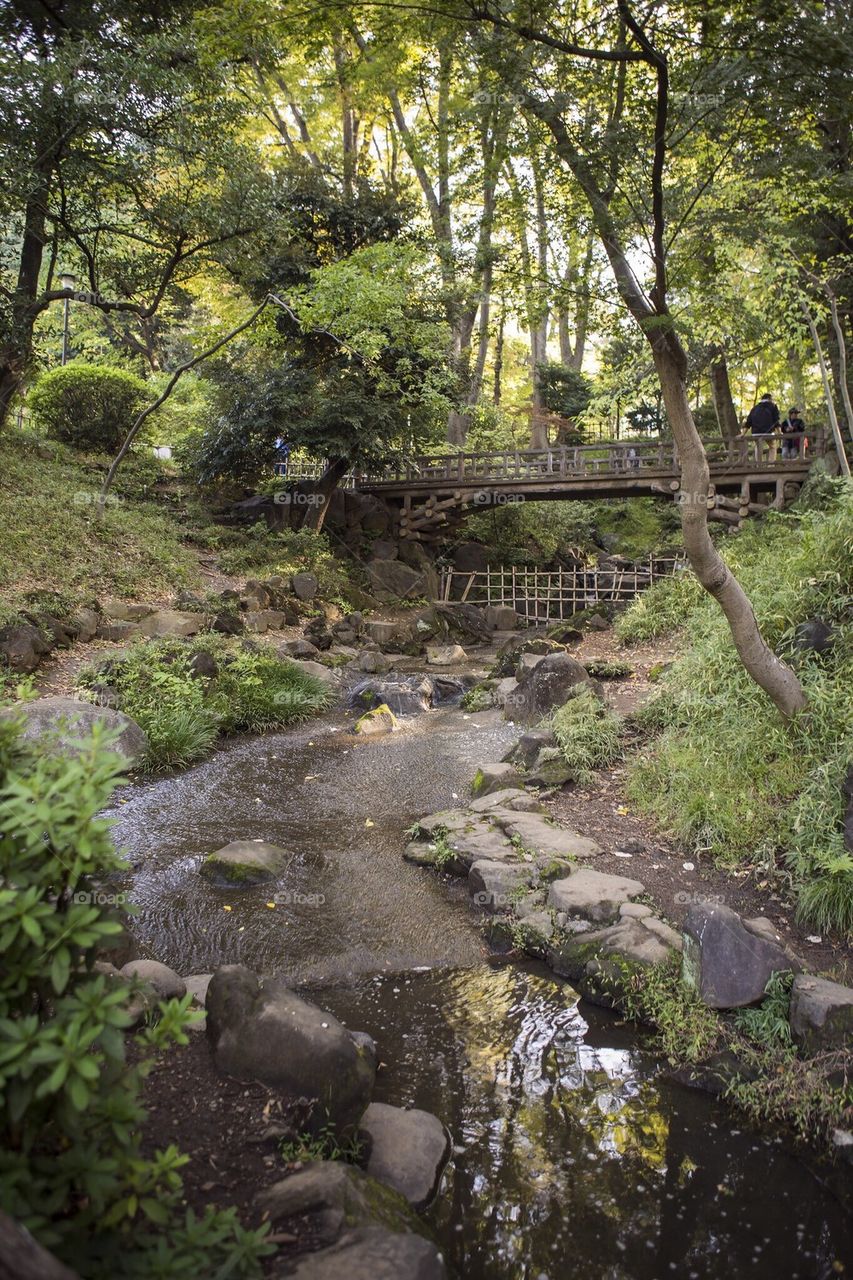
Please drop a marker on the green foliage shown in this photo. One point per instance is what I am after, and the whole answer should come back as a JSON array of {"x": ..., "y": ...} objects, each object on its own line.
[
  {"x": 726, "y": 775},
  {"x": 687, "y": 1030},
  {"x": 587, "y": 732},
  {"x": 445, "y": 854},
  {"x": 325, "y": 1145},
  {"x": 480, "y": 698},
  {"x": 70, "y": 1114},
  {"x": 660, "y": 610},
  {"x": 812, "y": 1096},
  {"x": 88, "y": 406},
  {"x": 48, "y": 534},
  {"x": 566, "y": 392},
  {"x": 608, "y": 669},
  {"x": 768, "y": 1023},
  {"x": 183, "y": 713}
]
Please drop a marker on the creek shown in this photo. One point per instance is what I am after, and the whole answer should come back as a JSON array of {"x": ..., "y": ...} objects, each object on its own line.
[{"x": 573, "y": 1156}]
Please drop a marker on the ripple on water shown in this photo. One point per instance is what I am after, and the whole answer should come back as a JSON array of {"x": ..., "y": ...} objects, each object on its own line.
[
  {"x": 346, "y": 902},
  {"x": 573, "y": 1161}
]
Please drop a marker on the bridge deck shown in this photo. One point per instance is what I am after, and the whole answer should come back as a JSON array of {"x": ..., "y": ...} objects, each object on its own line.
[{"x": 608, "y": 470}]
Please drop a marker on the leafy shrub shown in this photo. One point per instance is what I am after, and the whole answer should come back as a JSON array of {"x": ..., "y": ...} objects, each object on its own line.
[
  {"x": 184, "y": 714},
  {"x": 71, "y": 1169},
  {"x": 726, "y": 775},
  {"x": 88, "y": 406},
  {"x": 587, "y": 733}
]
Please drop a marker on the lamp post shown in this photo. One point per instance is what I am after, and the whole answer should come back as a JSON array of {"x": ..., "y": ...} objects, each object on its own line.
[{"x": 68, "y": 282}]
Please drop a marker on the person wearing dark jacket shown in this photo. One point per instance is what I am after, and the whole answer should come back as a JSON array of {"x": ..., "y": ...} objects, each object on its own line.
[
  {"x": 763, "y": 422},
  {"x": 793, "y": 435}
]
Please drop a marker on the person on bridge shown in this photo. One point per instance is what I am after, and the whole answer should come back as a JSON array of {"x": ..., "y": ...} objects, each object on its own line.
[
  {"x": 282, "y": 455},
  {"x": 763, "y": 422},
  {"x": 793, "y": 436}
]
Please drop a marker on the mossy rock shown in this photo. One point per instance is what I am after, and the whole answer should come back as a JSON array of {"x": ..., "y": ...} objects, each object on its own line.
[
  {"x": 480, "y": 698},
  {"x": 244, "y": 862},
  {"x": 509, "y": 655},
  {"x": 380, "y": 720}
]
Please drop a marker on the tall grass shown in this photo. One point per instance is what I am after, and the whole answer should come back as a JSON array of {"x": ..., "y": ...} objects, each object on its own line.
[{"x": 724, "y": 773}]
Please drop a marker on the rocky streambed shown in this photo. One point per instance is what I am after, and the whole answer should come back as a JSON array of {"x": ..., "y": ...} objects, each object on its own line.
[{"x": 571, "y": 1154}]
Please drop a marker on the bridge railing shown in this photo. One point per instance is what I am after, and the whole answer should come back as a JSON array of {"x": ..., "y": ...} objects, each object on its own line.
[{"x": 616, "y": 457}]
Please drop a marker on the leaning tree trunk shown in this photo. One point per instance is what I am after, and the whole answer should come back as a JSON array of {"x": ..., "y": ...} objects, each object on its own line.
[
  {"x": 777, "y": 680},
  {"x": 315, "y": 513}
]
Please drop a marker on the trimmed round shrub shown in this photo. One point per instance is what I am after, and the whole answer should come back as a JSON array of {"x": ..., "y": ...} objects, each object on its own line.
[{"x": 87, "y": 406}]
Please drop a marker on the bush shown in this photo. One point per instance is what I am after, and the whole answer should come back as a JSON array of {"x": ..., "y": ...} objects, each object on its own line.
[
  {"x": 726, "y": 775},
  {"x": 87, "y": 406},
  {"x": 184, "y": 714},
  {"x": 71, "y": 1169},
  {"x": 587, "y": 733}
]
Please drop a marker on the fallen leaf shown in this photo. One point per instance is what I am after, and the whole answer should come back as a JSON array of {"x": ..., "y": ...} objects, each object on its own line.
[{"x": 368, "y": 822}]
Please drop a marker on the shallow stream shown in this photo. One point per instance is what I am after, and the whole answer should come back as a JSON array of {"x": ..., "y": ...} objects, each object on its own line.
[{"x": 574, "y": 1159}]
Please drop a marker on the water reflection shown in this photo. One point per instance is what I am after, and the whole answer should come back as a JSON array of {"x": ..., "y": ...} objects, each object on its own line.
[{"x": 572, "y": 1158}]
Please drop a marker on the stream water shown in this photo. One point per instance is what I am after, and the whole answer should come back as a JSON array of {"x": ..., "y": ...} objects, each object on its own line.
[{"x": 573, "y": 1157}]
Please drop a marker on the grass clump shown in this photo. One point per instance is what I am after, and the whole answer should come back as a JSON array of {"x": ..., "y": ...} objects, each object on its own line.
[
  {"x": 588, "y": 733},
  {"x": 725, "y": 774},
  {"x": 608, "y": 669},
  {"x": 183, "y": 712},
  {"x": 660, "y": 610},
  {"x": 687, "y": 1030}
]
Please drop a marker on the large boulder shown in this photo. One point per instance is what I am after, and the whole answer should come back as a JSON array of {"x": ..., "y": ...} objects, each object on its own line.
[
  {"x": 472, "y": 557},
  {"x": 405, "y": 696},
  {"x": 494, "y": 886},
  {"x": 316, "y": 669},
  {"x": 261, "y": 1030},
  {"x": 592, "y": 895},
  {"x": 821, "y": 1013},
  {"x": 22, "y": 647},
  {"x": 391, "y": 580},
  {"x": 383, "y": 632},
  {"x": 501, "y": 617},
  {"x": 511, "y": 652},
  {"x": 408, "y": 1150},
  {"x": 728, "y": 965},
  {"x": 495, "y": 777},
  {"x": 64, "y": 721},
  {"x": 548, "y": 686},
  {"x": 244, "y": 862}
]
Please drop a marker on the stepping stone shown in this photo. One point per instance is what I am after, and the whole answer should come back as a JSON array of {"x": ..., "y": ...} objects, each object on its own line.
[
  {"x": 592, "y": 895},
  {"x": 408, "y": 1151},
  {"x": 493, "y": 886},
  {"x": 495, "y": 777},
  {"x": 534, "y": 833},
  {"x": 512, "y": 798},
  {"x": 244, "y": 862}
]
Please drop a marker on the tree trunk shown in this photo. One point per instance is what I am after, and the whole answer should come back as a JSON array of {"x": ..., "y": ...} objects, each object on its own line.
[
  {"x": 776, "y": 679},
  {"x": 795, "y": 366},
  {"x": 721, "y": 392},
  {"x": 315, "y": 514},
  {"x": 23, "y": 1258},
  {"x": 499, "y": 357}
]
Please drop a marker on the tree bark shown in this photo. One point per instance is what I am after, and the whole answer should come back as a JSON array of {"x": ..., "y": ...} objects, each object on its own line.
[
  {"x": 721, "y": 393},
  {"x": 23, "y": 1258},
  {"x": 315, "y": 515},
  {"x": 776, "y": 679}
]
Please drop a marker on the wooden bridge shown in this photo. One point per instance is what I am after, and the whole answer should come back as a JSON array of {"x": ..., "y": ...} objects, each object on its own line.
[{"x": 434, "y": 492}]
